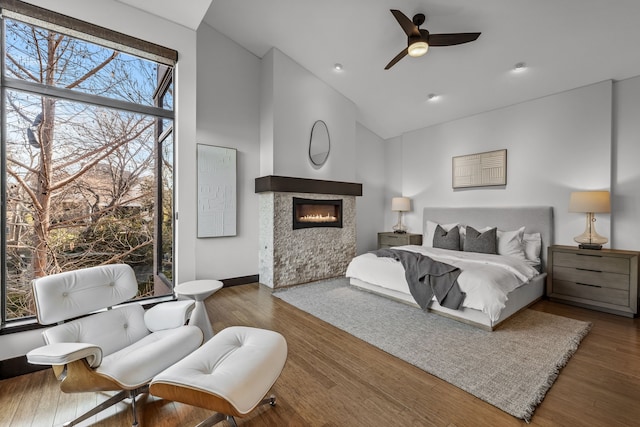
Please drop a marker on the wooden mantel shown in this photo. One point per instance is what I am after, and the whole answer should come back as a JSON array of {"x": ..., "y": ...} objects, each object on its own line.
[{"x": 285, "y": 184}]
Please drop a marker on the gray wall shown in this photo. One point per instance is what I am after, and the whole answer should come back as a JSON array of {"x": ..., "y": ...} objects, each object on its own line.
[
  {"x": 293, "y": 99},
  {"x": 583, "y": 139},
  {"x": 555, "y": 145},
  {"x": 371, "y": 172},
  {"x": 625, "y": 167},
  {"x": 228, "y": 115}
]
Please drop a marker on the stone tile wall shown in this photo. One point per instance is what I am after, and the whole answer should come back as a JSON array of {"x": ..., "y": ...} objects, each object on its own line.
[{"x": 290, "y": 257}]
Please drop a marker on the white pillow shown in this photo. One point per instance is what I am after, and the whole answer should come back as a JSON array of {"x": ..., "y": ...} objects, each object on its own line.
[
  {"x": 510, "y": 243},
  {"x": 427, "y": 239},
  {"x": 532, "y": 247}
]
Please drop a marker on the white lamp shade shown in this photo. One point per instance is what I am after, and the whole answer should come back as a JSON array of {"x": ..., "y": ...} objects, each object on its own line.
[
  {"x": 401, "y": 204},
  {"x": 590, "y": 201}
]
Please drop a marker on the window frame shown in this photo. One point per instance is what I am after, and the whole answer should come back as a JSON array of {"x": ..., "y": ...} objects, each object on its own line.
[{"x": 34, "y": 15}]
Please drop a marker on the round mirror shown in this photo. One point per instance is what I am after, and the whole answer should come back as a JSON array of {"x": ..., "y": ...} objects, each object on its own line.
[{"x": 319, "y": 144}]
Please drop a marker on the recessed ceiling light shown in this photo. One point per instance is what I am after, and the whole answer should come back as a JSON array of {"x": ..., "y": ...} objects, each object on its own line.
[
  {"x": 337, "y": 67},
  {"x": 433, "y": 97},
  {"x": 519, "y": 67}
]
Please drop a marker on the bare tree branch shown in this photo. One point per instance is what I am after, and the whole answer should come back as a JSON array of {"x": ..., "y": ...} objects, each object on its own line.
[
  {"x": 30, "y": 192},
  {"x": 20, "y": 67},
  {"x": 123, "y": 255},
  {"x": 93, "y": 71},
  {"x": 84, "y": 170},
  {"x": 22, "y": 165},
  {"x": 74, "y": 220}
]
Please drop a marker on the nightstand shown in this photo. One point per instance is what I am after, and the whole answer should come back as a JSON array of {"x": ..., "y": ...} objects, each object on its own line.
[
  {"x": 605, "y": 280},
  {"x": 389, "y": 239}
]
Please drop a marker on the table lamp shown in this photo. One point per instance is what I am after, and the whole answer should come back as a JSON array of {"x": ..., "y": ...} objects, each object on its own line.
[
  {"x": 590, "y": 202},
  {"x": 400, "y": 204}
]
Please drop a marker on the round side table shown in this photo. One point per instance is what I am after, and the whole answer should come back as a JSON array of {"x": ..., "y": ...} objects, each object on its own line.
[{"x": 199, "y": 290}]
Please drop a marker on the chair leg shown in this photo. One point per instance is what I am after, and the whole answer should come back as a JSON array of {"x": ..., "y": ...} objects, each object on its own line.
[
  {"x": 101, "y": 407},
  {"x": 218, "y": 417},
  {"x": 271, "y": 400},
  {"x": 214, "y": 419},
  {"x": 133, "y": 394},
  {"x": 116, "y": 398}
]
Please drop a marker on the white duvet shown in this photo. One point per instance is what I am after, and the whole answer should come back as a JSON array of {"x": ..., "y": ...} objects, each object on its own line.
[{"x": 486, "y": 279}]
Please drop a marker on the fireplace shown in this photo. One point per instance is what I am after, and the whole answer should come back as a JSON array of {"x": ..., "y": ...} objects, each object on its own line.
[
  {"x": 312, "y": 213},
  {"x": 322, "y": 249}
]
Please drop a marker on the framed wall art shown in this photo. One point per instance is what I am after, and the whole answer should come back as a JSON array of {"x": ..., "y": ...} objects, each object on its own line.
[
  {"x": 216, "y": 191},
  {"x": 480, "y": 169}
]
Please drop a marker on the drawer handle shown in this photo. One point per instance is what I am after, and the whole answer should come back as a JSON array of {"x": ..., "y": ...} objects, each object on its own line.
[
  {"x": 587, "y": 284},
  {"x": 597, "y": 256},
  {"x": 587, "y": 269}
]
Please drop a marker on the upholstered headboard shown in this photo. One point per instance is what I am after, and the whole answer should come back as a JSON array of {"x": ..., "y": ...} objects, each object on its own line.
[{"x": 536, "y": 219}]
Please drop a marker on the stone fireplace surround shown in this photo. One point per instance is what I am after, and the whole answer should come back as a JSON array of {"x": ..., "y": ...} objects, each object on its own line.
[{"x": 291, "y": 257}]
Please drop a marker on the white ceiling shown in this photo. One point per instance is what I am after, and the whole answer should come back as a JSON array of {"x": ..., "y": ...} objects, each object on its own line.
[
  {"x": 188, "y": 13},
  {"x": 565, "y": 44}
]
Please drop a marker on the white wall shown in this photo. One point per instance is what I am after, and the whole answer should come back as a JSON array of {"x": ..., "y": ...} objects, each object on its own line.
[
  {"x": 395, "y": 173},
  {"x": 370, "y": 172},
  {"x": 555, "y": 145},
  {"x": 228, "y": 115},
  {"x": 151, "y": 28},
  {"x": 293, "y": 100},
  {"x": 626, "y": 169}
]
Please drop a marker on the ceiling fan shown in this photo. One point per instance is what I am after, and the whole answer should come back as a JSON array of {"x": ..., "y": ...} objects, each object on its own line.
[{"x": 419, "y": 40}]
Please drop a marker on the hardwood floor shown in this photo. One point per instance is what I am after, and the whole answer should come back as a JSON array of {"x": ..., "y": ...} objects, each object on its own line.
[{"x": 334, "y": 379}]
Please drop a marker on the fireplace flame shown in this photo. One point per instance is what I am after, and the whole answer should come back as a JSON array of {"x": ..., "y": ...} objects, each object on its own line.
[{"x": 318, "y": 218}]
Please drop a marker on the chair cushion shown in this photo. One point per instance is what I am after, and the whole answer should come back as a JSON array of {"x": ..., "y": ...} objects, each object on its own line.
[
  {"x": 239, "y": 364},
  {"x": 111, "y": 330},
  {"x": 168, "y": 315},
  {"x": 71, "y": 294},
  {"x": 136, "y": 364}
]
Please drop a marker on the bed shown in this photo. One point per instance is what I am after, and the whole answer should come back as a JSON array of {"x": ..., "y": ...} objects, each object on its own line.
[{"x": 524, "y": 280}]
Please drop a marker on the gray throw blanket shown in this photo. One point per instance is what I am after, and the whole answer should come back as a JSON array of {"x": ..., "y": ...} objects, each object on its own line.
[{"x": 427, "y": 277}]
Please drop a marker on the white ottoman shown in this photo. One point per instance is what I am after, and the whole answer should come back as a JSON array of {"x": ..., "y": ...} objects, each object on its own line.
[{"x": 230, "y": 374}]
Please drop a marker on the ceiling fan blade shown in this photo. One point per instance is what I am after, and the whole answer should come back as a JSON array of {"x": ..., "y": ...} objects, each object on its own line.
[
  {"x": 407, "y": 25},
  {"x": 452, "y": 39},
  {"x": 397, "y": 58}
]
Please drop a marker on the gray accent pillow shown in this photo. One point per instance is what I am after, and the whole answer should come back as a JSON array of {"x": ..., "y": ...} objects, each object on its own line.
[
  {"x": 446, "y": 239},
  {"x": 486, "y": 243}
]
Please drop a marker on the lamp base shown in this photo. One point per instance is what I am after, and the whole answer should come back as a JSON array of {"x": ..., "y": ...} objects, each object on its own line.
[
  {"x": 399, "y": 227},
  {"x": 590, "y": 239},
  {"x": 592, "y": 246}
]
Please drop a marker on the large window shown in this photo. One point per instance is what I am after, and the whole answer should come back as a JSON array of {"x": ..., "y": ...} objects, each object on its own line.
[{"x": 87, "y": 164}]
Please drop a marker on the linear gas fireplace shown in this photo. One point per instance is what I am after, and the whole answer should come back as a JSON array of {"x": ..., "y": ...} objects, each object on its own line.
[
  {"x": 311, "y": 213},
  {"x": 291, "y": 256}
]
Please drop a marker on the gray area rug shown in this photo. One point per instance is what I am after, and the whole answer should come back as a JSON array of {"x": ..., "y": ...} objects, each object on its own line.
[{"x": 511, "y": 368}]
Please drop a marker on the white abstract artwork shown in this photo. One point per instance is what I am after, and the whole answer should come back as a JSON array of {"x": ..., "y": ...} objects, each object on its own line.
[{"x": 216, "y": 191}]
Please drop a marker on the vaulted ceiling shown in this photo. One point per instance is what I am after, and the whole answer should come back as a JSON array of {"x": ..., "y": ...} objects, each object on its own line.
[{"x": 564, "y": 43}]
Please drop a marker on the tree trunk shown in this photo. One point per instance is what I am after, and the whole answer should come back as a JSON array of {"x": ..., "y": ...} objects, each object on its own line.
[{"x": 43, "y": 186}]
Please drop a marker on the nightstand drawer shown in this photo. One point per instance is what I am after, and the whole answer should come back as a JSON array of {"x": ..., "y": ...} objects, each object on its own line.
[
  {"x": 591, "y": 277},
  {"x": 592, "y": 262},
  {"x": 393, "y": 239},
  {"x": 590, "y": 292},
  {"x": 387, "y": 239}
]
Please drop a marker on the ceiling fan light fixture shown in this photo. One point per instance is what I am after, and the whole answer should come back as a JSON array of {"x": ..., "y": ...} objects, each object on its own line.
[{"x": 418, "y": 48}]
